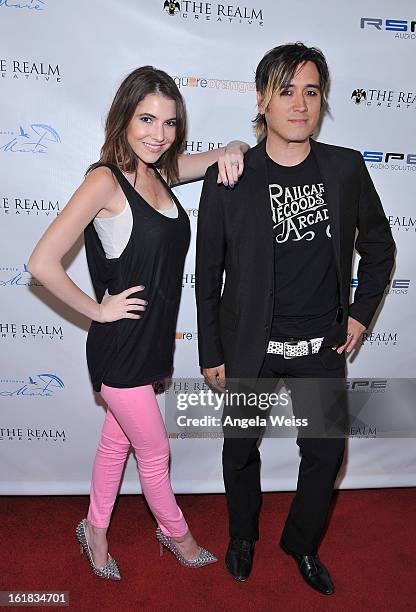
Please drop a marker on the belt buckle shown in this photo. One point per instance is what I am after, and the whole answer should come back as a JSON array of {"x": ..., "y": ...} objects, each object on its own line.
[{"x": 289, "y": 343}]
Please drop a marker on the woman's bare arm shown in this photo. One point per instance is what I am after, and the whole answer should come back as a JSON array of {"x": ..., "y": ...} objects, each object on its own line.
[
  {"x": 93, "y": 195},
  {"x": 230, "y": 163}
]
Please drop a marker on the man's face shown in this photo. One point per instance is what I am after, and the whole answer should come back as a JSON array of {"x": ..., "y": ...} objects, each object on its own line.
[{"x": 293, "y": 112}]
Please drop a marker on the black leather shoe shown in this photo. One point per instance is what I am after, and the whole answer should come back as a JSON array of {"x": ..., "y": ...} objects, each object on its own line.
[
  {"x": 239, "y": 558},
  {"x": 313, "y": 571}
]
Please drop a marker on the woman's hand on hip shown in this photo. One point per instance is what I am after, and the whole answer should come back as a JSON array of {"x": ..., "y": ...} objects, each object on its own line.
[{"x": 118, "y": 306}]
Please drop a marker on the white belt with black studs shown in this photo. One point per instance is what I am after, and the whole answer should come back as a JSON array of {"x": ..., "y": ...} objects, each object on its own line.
[{"x": 294, "y": 348}]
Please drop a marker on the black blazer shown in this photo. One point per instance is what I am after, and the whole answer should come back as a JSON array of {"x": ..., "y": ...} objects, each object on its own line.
[{"x": 235, "y": 235}]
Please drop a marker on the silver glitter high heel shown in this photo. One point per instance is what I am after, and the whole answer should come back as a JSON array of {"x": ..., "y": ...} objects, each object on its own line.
[
  {"x": 110, "y": 570},
  {"x": 204, "y": 557}
]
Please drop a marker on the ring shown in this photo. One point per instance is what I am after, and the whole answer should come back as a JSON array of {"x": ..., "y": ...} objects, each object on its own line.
[
  {"x": 234, "y": 163},
  {"x": 349, "y": 334}
]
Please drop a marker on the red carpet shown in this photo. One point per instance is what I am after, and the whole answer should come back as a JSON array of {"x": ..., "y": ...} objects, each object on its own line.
[{"x": 369, "y": 549}]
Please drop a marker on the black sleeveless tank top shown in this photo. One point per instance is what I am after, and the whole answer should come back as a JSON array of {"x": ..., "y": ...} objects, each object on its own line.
[{"x": 134, "y": 352}]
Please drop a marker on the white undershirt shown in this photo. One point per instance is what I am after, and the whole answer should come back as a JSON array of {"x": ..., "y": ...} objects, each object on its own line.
[{"x": 114, "y": 232}]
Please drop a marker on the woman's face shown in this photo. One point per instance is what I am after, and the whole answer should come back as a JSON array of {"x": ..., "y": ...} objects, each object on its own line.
[{"x": 152, "y": 129}]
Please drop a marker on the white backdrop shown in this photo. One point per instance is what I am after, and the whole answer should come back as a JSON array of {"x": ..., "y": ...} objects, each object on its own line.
[{"x": 60, "y": 64}]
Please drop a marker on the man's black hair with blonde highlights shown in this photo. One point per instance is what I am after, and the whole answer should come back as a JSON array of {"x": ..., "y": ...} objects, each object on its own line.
[{"x": 275, "y": 72}]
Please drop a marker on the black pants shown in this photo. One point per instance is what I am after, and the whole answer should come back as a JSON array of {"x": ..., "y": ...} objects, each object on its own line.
[{"x": 321, "y": 458}]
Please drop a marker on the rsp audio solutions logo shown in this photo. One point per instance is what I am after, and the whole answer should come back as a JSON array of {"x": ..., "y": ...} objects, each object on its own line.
[
  {"x": 395, "y": 286},
  {"x": 366, "y": 385},
  {"x": 401, "y": 28},
  {"x": 37, "y": 138},
  {"x": 393, "y": 160},
  {"x": 214, "y": 12}
]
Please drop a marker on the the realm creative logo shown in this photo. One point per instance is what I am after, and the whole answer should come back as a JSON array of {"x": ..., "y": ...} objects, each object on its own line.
[
  {"x": 393, "y": 160},
  {"x": 380, "y": 338},
  {"x": 30, "y": 70},
  {"x": 401, "y": 28},
  {"x": 28, "y": 206},
  {"x": 37, "y": 138},
  {"x": 27, "y": 434},
  {"x": 402, "y": 224},
  {"x": 188, "y": 280},
  {"x": 171, "y": 8},
  {"x": 190, "y": 385},
  {"x": 220, "y": 84},
  {"x": 31, "y": 5},
  {"x": 358, "y": 95},
  {"x": 30, "y": 331},
  {"x": 384, "y": 98},
  {"x": 395, "y": 286},
  {"x": 17, "y": 276},
  {"x": 38, "y": 385},
  {"x": 362, "y": 431},
  {"x": 214, "y": 12},
  {"x": 197, "y": 146}
]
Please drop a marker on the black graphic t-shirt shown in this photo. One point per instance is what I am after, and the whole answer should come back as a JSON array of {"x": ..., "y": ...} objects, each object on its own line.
[{"x": 305, "y": 273}]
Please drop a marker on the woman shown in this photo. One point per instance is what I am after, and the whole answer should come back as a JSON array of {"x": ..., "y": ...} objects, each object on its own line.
[{"x": 136, "y": 238}]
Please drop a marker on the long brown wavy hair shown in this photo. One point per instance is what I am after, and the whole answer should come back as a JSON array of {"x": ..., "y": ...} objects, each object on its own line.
[{"x": 135, "y": 87}]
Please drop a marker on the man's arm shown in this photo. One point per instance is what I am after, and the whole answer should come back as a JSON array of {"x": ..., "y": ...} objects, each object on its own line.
[
  {"x": 376, "y": 247},
  {"x": 210, "y": 254}
]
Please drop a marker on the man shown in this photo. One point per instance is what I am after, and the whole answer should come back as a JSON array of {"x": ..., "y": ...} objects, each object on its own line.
[{"x": 285, "y": 236}]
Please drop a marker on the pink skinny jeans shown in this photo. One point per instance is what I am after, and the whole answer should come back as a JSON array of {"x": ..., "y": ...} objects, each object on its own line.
[{"x": 133, "y": 417}]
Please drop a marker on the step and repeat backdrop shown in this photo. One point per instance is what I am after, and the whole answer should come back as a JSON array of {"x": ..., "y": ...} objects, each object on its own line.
[{"x": 60, "y": 65}]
